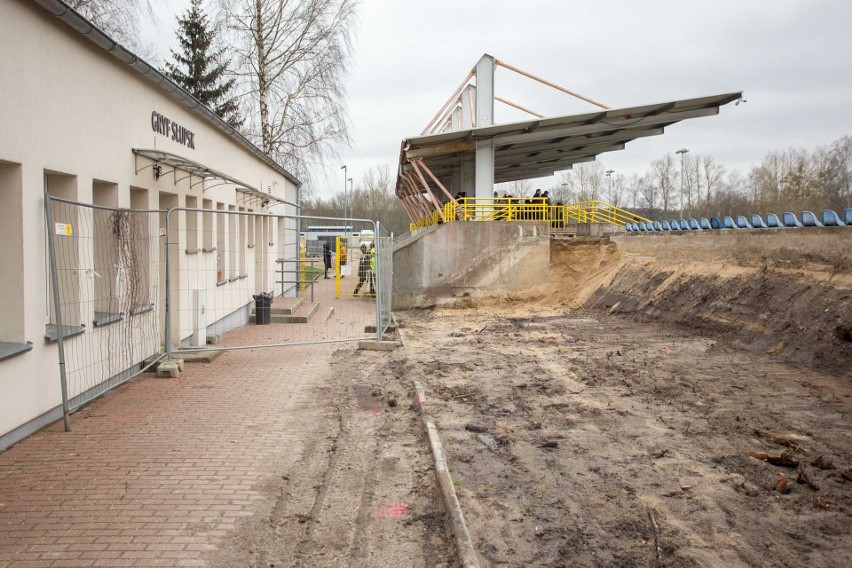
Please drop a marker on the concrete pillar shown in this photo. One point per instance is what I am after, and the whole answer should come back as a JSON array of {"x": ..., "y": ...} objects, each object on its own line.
[{"x": 484, "y": 184}]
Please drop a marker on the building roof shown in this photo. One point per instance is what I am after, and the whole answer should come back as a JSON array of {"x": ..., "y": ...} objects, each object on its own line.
[
  {"x": 541, "y": 147},
  {"x": 78, "y": 23}
]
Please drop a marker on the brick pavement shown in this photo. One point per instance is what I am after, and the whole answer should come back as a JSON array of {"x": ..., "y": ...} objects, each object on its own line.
[{"x": 159, "y": 471}]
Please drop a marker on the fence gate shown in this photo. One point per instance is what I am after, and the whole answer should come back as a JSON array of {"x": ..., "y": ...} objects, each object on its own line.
[
  {"x": 239, "y": 279},
  {"x": 105, "y": 304}
]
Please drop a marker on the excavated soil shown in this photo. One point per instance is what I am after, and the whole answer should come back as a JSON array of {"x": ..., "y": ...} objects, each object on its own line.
[{"x": 635, "y": 413}]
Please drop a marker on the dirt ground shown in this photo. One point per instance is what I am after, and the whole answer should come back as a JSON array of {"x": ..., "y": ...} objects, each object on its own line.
[
  {"x": 361, "y": 493},
  {"x": 630, "y": 413},
  {"x": 581, "y": 439}
]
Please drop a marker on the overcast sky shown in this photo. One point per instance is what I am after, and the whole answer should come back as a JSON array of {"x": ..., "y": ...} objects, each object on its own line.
[{"x": 792, "y": 59}]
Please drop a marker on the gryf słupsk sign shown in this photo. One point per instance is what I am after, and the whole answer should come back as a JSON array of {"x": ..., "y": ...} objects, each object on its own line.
[{"x": 167, "y": 127}]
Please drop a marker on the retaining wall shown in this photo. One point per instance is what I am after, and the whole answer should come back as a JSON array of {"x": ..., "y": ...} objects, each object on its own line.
[{"x": 470, "y": 259}]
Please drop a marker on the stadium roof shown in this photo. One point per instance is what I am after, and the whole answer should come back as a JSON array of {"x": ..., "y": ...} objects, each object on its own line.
[{"x": 540, "y": 147}]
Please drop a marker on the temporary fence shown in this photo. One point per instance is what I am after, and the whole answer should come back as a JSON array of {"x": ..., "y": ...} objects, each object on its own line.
[
  {"x": 131, "y": 287},
  {"x": 106, "y": 298},
  {"x": 242, "y": 279}
]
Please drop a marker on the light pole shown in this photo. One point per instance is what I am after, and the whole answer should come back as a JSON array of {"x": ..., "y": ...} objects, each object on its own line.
[
  {"x": 682, "y": 151},
  {"x": 348, "y": 205},
  {"x": 609, "y": 175},
  {"x": 343, "y": 167}
]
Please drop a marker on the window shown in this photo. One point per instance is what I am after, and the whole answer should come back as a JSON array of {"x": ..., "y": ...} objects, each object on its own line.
[
  {"x": 207, "y": 225},
  {"x": 67, "y": 252},
  {"x": 233, "y": 239},
  {"x": 220, "y": 244},
  {"x": 243, "y": 223},
  {"x": 108, "y": 228},
  {"x": 191, "y": 224},
  {"x": 11, "y": 254}
]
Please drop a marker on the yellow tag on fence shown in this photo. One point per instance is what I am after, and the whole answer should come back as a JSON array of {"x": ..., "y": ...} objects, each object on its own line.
[{"x": 63, "y": 229}]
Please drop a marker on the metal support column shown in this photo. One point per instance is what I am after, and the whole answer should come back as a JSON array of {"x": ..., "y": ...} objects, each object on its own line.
[{"x": 484, "y": 184}]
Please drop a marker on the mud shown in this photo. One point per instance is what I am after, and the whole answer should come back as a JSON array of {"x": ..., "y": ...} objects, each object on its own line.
[
  {"x": 364, "y": 494},
  {"x": 586, "y": 439},
  {"x": 633, "y": 411}
]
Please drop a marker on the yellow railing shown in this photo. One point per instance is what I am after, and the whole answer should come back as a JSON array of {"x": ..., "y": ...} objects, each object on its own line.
[{"x": 530, "y": 209}]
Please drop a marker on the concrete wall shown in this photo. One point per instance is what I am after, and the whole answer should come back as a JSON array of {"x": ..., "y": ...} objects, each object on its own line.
[
  {"x": 476, "y": 259},
  {"x": 598, "y": 229},
  {"x": 747, "y": 247},
  {"x": 72, "y": 113}
]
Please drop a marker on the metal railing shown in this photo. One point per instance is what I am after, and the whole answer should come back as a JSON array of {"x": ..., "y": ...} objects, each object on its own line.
[{"x": 515, "y": 209}]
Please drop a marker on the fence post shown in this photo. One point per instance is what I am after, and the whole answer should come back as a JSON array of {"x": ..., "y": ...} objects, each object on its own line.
[
  {"x": 168, "y": 294},
  {"x": 51, "y": 245},
  {"x": 378, "y": 242}
]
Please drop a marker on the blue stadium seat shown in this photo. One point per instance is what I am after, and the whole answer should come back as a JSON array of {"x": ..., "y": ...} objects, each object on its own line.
[
  {"x": 757, "y": 222},
  {"x": 666, "y": 226},
  {"x": 810, "y": 220},
  {"x": 790, "y": 219},
  {"x": 684, "y": 226},
  {"x": 715, "y": 223},
  {"x": 642, "y": 227},
  {"x": 693, "y": 224},
  {"x": 705, "y": 223},
  {"x": 674, "y": 225},
  {"x": 742, "y": 222},
  {"x": 772, "y": 221},
  {"x": 847, "y": 216},
  {"x": 831, "y": 219},
  {"x": 730, "y": 223},
  {"x": 628, "y": 227},
  {"x": 635, "y": 227}
]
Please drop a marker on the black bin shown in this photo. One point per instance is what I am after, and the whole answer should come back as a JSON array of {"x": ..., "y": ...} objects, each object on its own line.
[{"x": 262, "y": 308}]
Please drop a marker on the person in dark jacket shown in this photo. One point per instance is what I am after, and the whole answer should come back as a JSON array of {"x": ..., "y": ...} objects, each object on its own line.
[
  {"x": 364, "y": 270},
  {"x": 326, "y": 257}
]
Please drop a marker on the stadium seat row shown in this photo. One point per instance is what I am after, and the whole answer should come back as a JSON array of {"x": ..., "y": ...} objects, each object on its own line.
[{"x": 828, "y": 219}]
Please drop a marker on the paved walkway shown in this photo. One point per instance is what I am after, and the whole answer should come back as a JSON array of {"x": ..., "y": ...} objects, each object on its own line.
[{"x": 159, "y": 471}]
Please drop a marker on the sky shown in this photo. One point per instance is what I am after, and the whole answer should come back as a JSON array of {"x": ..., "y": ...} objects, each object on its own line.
[{"x": 792, "y": 59}]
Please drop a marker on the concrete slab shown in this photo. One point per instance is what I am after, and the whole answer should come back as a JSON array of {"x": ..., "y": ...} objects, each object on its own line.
[{"x": 378, "y": 345}]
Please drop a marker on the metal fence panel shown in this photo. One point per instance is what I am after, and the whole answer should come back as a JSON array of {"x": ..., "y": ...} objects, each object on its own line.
[
  {"x": 222, "y": 261},
  {"x": 384, "y": 252},
  {"x": 105, "y": 301}
]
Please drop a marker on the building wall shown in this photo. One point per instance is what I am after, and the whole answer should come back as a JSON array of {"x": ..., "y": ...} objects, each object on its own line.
[{"x": 71, "y": 115}]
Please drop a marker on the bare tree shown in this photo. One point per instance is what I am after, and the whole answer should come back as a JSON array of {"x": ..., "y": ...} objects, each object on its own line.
[
  {"x": 290, "y": 57},
  {"x": 649, "y": 192},
  {"x": 373, "y": 198},
  {"x": 633, "y": 190},
  {"x": 663, "y": 176},
  {"x": 691, "y": 183},
  {"x": 713, "y": 174},
  {"x": 519, "y": 188}
]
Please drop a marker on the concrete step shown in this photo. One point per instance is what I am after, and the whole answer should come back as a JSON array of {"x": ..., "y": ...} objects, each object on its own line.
[
  {"x": 303, "y": 314},
  {"x": 286, "y": 306}
]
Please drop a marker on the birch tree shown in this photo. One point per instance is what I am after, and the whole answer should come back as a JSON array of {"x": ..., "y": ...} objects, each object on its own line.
[{"x": 290, "y": 58}]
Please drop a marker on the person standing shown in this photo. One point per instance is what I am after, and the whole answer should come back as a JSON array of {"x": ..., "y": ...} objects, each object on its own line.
[
  {"x": 326, "y": 257},
  {"x": 364, "y": 269}
]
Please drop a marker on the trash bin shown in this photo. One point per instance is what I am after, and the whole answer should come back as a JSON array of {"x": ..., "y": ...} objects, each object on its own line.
[{"x": 262, "y": 308}]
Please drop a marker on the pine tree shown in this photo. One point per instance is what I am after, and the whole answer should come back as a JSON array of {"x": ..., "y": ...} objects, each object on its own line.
[{"x": 198, "y": 69}]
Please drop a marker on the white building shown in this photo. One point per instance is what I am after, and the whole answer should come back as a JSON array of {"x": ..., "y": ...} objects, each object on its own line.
[{"x": 85, "y": 120}]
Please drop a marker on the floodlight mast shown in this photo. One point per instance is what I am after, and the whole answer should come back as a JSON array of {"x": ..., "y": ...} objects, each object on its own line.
[{"x": 682, "y": 151}]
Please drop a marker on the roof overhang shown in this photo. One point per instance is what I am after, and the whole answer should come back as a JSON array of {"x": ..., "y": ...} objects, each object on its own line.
[
  {"x": 184, "y": 168},
  {"x": 538, "y": 148}
]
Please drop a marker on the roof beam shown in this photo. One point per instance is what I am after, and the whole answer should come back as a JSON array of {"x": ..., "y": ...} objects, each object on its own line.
[
  {"x": 543, "y": 157},
  {"x": 586, "y": 141},
  {"x": 600, "y": 126}
]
